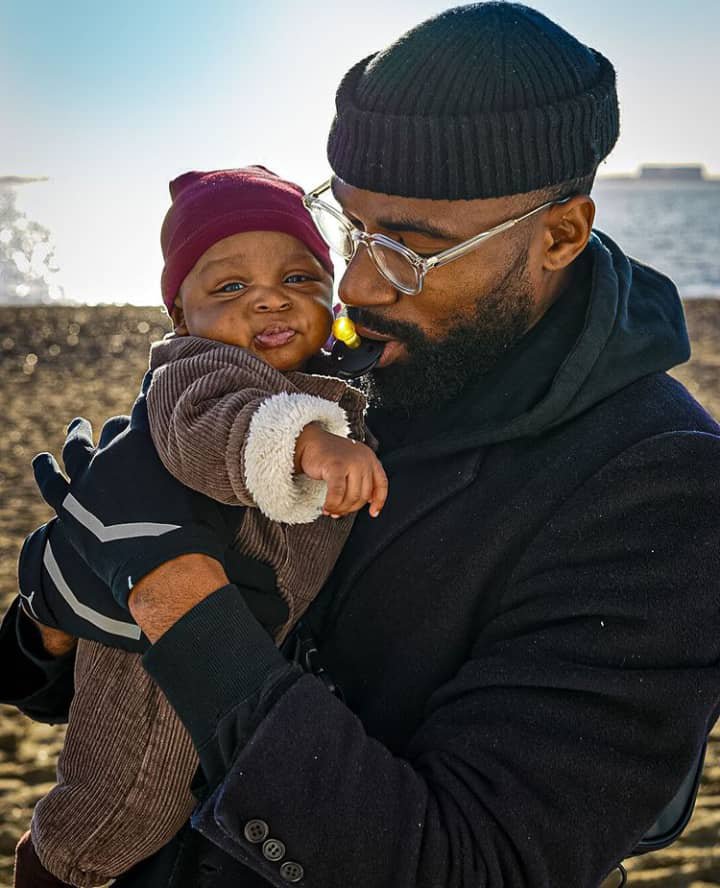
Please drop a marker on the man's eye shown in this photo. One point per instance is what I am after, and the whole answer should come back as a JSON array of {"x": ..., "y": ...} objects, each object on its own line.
[
  {"x": 298, "y": 278},
  {"x": 356, "y": 223},
  {"x": 232, "y": 287},
  {"x": 400, "y": 240}
]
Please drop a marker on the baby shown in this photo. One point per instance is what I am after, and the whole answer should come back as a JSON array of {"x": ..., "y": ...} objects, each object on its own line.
[{"x": 248, "y": 283}]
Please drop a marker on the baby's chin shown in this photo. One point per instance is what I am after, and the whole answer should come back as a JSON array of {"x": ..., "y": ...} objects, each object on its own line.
[
  {"x": 287, "y": 365},
  {"x": 284, "y": 359}
]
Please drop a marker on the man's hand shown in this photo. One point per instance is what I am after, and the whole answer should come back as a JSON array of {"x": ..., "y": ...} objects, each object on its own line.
[
  {"x": 167, "y": 593},
  {"x": 354, "y": 475},
  {"x": 122, "y": 510},
  {"x": 66, "y": 600},
  {"x": 55, "y": 642}
]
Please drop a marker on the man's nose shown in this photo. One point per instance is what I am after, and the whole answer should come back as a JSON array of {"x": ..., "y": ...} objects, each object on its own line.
[
  {"x": 362, "y": 285},
  {"x": 268, "y": 299}
]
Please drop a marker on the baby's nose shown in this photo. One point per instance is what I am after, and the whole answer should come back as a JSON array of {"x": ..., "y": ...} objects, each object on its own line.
[{"x": 270, "y": 299}]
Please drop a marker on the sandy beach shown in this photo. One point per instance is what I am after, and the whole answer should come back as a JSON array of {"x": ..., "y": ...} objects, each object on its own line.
[{"x": 58, "y": 362}]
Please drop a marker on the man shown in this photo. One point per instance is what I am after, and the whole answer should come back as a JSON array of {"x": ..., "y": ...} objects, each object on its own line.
[{"x": 527, "y": 642}]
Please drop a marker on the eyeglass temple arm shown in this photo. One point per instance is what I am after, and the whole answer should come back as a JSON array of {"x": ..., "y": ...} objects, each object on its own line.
[
  {"x": 316, "y": 192},
  {"x": 454, "y": 252}
]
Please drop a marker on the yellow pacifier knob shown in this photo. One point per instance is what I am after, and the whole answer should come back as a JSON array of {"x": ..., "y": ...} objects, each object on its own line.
[{"x": 344, "y": 330}]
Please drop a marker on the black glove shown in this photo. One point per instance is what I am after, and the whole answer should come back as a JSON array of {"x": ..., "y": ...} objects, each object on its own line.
[
  {"x": 59, "y": 590},
  {"x": 122, "y": 510}
]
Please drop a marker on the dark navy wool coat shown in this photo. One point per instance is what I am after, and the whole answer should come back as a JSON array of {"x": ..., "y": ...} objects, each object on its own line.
[{"x": 528, "y": 640}]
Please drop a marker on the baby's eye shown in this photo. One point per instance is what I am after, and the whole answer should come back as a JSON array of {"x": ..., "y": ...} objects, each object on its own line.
[
  {"x": 232, "y": 287},
  {"x": 298, "y": 278}
]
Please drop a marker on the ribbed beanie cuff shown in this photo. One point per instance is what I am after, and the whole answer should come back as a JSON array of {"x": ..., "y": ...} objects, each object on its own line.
[{"x": 483, "y": 101}]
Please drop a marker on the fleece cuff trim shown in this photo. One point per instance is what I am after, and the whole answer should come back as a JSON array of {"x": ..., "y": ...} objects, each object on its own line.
[{"x": 270, "y": 455}]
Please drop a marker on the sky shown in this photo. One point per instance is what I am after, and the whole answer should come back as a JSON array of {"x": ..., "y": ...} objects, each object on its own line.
[{"x": 111, "y": 100}]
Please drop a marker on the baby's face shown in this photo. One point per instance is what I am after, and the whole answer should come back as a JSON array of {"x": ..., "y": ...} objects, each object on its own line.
[{"x": 262, "y": 290}]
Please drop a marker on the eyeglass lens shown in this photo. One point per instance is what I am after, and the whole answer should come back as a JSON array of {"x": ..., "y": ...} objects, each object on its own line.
[
  {"x": 336, "y": 234},
  {"x": 391, "y": 263},
  {"x": 396, "y": 267}
]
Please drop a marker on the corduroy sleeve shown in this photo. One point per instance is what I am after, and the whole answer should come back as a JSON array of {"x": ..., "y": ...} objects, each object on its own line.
[
  {"x": 225, "y": 423},
  {"x": 544, "y": 760}
]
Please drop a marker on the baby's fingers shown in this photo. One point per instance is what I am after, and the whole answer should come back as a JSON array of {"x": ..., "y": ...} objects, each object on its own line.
[
  {"x": 336, "y": 491},
  {"x": 379, "y": 491},
  {"x": 354, "y": 498}
]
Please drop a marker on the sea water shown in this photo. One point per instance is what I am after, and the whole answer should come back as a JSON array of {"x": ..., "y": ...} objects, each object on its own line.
[{"x": 672, "y": 226}]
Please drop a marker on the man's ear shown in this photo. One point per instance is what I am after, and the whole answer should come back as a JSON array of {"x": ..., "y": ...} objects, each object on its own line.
[
  {"x": 567, "y": 231},
  {"x": 178, "y": 318}
]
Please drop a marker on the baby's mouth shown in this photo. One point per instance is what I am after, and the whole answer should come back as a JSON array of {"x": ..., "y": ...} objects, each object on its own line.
[{"x": 274, "y": 335}]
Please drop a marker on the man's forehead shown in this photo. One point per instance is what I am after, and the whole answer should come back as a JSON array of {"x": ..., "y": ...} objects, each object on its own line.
[{"x": 411, "y": 213}]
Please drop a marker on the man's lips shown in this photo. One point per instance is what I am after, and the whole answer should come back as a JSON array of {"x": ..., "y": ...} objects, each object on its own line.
[
  {"x": 393, "y": 350},
  {"x": 367, "y": 333},
  {"x": 274, "y": 335}
]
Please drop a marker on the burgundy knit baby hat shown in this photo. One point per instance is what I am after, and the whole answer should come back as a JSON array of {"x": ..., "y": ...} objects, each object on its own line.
[{"x": 207, "y": 207}]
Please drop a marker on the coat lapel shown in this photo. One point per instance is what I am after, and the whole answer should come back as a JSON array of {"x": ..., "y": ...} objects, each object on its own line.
[{"x": 416, "y": 488}]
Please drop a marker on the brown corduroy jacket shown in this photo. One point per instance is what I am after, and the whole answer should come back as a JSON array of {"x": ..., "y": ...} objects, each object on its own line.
[{"x": 224, "y": 423}]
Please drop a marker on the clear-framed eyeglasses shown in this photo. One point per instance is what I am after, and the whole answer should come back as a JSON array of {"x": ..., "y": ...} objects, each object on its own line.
[{"x": 398, "y": 264}]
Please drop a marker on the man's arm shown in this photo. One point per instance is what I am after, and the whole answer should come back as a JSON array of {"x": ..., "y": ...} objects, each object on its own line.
[{"x": 542, "y": 762}]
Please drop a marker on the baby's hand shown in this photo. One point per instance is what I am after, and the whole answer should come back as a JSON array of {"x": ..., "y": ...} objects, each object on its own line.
[{"x": 353, "y": 473}]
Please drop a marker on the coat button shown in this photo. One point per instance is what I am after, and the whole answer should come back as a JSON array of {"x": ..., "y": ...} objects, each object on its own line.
[
  {"x": 256, "y": 831},
  {"x": 291, "y": 871},
  {"x": 273, "y": 849}
]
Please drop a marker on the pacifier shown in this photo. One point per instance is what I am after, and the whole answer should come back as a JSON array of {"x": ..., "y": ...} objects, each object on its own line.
[
  {"x": 351, "y": 355},
  {"x": 344, "y": 330}
]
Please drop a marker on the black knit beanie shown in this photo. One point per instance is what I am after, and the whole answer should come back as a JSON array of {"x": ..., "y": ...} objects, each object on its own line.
[{"x": 485, "y": 100}]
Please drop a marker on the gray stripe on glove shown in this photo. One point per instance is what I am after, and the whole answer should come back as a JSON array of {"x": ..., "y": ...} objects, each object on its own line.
[
  {"x": 109, "y": 533},
  {"x": 107, "y": 624}
]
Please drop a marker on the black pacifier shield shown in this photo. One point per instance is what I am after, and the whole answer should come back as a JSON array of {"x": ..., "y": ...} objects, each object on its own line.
[{"x": 349, "y": 363}]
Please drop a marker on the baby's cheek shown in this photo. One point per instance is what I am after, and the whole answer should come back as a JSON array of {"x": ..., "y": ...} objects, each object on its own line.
[
  {"x": 326, "y": 316},
  {"x": 226, "y": 324}
]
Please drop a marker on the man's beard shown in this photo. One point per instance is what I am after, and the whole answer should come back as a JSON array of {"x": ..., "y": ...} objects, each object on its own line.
[{"x": 436, "y": 370}]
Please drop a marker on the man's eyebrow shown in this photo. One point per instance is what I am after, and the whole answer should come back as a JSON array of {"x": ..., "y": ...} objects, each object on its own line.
[
  {"x": 417, "y": 226},
  {"x": 406, "y": 223}
]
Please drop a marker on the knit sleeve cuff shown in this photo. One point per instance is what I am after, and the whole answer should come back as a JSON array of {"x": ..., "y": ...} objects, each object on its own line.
[
  {"x": 270, "y": 456},
  {"x": 214, "y": 658}
]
